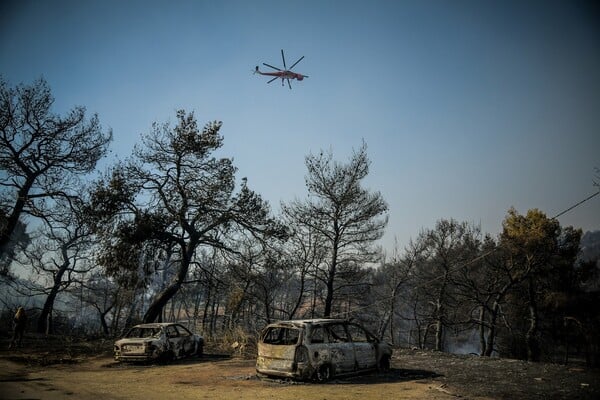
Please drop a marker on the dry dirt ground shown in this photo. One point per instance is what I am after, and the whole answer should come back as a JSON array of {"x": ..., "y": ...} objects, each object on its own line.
[{"x": 57, "y": 368}]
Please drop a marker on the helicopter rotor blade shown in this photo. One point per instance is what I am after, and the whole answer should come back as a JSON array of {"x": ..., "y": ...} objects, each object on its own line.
[
  {"x": 273, "y": 79},
  {"x": 294, "y": 64},
  {"x": 282, "y": 56},
  {"x": 270, "y": 66}
]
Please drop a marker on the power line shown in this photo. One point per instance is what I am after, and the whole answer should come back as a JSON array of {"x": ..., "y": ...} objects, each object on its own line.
[{"x": 576, "y": 205}]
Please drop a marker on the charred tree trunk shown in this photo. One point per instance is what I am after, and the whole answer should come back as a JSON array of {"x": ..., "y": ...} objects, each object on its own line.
[
  {"x": 102, "y": 313},
  {"x": 156, "y": 307},
  {"x": 425, "y": 336},
  {"x": 105, "y": 329},
  {"x": 330, "y": 282},
  {"x": 11, "y": 222},
  {"x": 392, "y": 314},
  {"x": 207, "y": 302},
  {"x": 417, "y": 321},
  {"x": 214, "y": 312},
  {"x": 531, "y": 337},
  {"x": 43, "y": 326},
  {"x": 439, "y": 329},
  {"x": 491, "y": 336},
  {"x": 300, "y": 294},
  {"x": 267, "y": 303},
  {"x": 440, "y": 315},
  {"x": 482, "y": 341},
  {"x": 313, "y": 303}
]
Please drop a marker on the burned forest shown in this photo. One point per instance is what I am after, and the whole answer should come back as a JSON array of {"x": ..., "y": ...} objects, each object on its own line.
[{"x": 175, "y": 234}]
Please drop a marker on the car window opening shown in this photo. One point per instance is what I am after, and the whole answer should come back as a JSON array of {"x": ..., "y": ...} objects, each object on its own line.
[{"x": 281, "y": 336}]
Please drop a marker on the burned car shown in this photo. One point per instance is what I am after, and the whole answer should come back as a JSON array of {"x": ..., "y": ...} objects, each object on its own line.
[
  {"x": 158, "y": 342},
  {"x": 319, "y": 349}
]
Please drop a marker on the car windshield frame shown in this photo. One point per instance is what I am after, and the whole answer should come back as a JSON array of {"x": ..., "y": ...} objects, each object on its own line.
[{"x": 140, "y": 333}]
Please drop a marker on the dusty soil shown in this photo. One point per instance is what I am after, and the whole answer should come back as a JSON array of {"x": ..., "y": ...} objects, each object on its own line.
[{"x": 56, "y": 368}]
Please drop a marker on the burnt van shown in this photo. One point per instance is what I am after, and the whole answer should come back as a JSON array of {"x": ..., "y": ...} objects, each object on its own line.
[{"x": 319, "y": 349}]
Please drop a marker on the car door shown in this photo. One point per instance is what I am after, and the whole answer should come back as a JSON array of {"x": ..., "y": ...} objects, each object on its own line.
[
  {"x": 364, "y": 345},
  {"x": 174, "y": 340},
  {"x": 186, "y": 339},
  {"x": 342, "y": 350}
]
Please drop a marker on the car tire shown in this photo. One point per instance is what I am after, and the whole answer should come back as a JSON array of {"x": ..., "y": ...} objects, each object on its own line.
[
  {"x": 200, "y": 351},
  {"x": 324, "y": 373},
  {"x": 166, "y": 357}
]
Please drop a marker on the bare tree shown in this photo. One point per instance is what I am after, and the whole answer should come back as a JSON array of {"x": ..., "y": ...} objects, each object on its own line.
[
  {"x": 177, "y": 196},
  {"x": 348, "y": 217},
  {"x": 397, "y": 276},
  {"x": 447, "y": 249},
  {"x": 41, "y": 153},
  {"x": 485, "y": 284},
  {"x": 102, "y": 294},
  {"x": 305, "y": 250},
  {"x": 60, "y": 255}
]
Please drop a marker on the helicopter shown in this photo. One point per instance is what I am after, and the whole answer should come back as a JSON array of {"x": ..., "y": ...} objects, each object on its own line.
[{"x": 284, "y": 74}]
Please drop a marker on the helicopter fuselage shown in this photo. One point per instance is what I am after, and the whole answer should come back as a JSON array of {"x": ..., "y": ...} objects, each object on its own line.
[{"x": 282, "y": 74}]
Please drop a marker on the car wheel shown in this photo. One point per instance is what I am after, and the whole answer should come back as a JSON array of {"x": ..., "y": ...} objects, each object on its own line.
[
  {"x": 167, "y": 356},
  {"x": 199, "y": 351},
  {"x": 324, "y": 373}
]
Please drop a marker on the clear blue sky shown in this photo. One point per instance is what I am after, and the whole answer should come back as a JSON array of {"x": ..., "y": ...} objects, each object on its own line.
[{"x": 467, "y": 107}]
